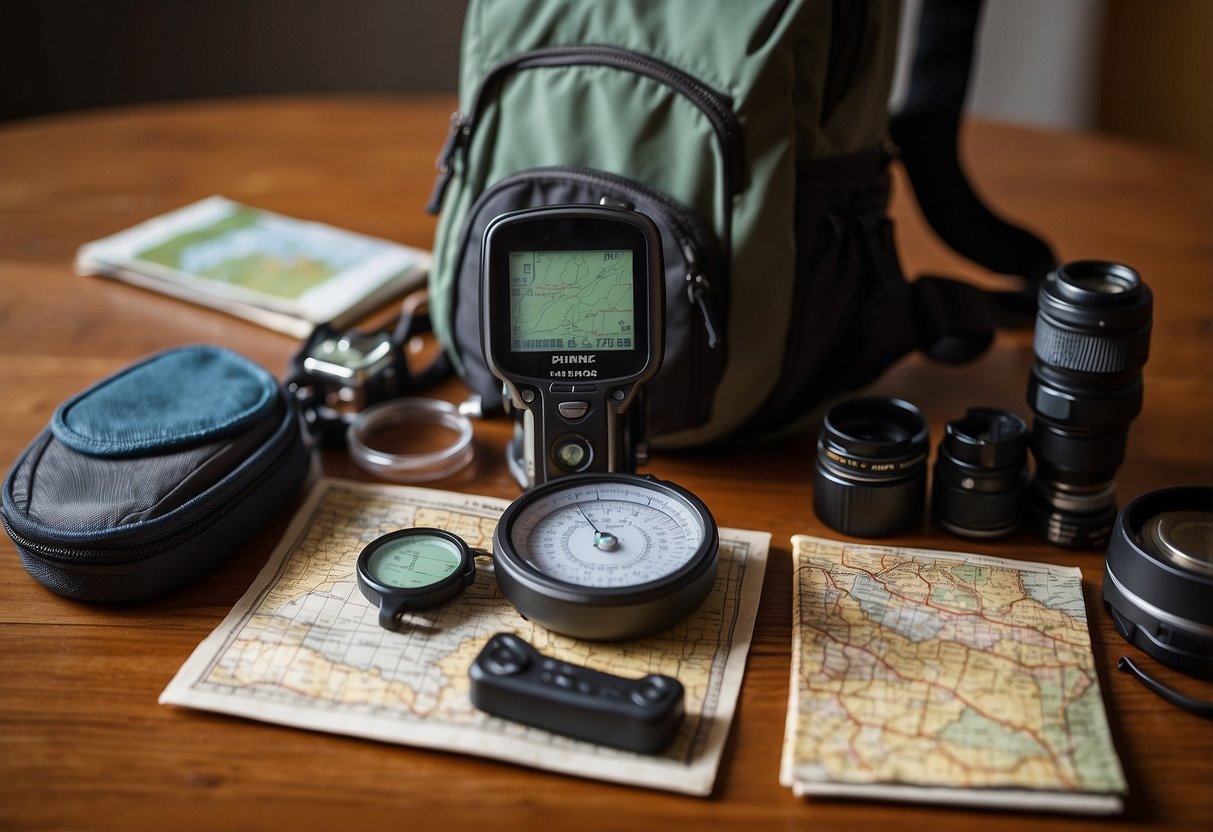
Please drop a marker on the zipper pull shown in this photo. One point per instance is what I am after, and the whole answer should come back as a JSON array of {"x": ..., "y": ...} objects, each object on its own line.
[
  {"x": 455, "y": 139},
  {"x": 699, "y": 293}
]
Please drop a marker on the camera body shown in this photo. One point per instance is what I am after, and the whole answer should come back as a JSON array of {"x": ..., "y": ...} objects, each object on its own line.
[
  {"x": 572, "y": 319},
  {"x": 340, "y": 372}
]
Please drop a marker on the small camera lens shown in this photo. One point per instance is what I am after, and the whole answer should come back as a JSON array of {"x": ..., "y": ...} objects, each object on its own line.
[
  {"x": 1093, "y": 317},
  {"x": 981, "y": 472},
  {"x": 1096, "y": 276},
  {"x": 871, "y": 470}
]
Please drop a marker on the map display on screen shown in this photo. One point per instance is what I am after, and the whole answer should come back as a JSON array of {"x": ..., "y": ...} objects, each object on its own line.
[{"x": 571, "y": 300}]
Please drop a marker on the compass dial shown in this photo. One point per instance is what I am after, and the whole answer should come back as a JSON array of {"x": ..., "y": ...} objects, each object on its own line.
[
  {"x": 606, "y": 556},
  {"x": 413, "y": 569},
  {"x": 416, "y": 561},
  {"x": 604, "y": 535}
]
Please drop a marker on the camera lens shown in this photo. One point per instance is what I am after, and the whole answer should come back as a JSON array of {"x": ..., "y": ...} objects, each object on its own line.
[
  {"x": 871, "y": 470},
  {"x": 981, "y": 472},
  {"x": 1072, "y": 516},
  {"x": 1093, "y": 317},
  {"x": 1091, "y": 340}
]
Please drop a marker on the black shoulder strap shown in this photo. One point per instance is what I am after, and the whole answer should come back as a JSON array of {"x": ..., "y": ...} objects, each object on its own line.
[{"x": 956, "y": 321}]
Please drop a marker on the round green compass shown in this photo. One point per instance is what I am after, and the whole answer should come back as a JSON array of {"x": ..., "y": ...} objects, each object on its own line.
[{"x": 414, "y": 569}]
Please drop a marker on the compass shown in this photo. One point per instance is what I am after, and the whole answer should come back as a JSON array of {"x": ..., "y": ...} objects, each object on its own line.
[
  {"x": 606, "y": 556},
  {"x": 414, "y": 569}
]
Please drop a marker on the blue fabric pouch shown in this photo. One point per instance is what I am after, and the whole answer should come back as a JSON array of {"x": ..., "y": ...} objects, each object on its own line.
[{"x": 149, "y": 478}]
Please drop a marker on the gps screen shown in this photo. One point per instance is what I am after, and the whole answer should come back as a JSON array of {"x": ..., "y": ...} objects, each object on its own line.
[{"x": 571, "y": 300}]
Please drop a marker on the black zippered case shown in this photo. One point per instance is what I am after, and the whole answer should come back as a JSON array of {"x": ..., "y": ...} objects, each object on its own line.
[{"x": 148, "y": 479}]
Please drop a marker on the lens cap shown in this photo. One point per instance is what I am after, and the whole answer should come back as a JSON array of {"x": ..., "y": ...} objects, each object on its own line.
[
  {"x": 1158, "y": 580},
  {"x": 1183, "y": 537}
]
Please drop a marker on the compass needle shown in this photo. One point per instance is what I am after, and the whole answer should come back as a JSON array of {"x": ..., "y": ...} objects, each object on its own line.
[{"x": 602, "y": 540}]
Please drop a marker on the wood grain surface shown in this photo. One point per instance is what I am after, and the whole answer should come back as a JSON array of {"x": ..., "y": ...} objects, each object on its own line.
[{"x": 83, "y": 744}]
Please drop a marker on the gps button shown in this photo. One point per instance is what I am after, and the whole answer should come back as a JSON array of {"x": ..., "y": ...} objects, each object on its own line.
[{"x": 573, "y": 410}]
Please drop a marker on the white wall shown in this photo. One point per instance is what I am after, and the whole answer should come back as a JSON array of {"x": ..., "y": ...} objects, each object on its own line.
[{"x": 1036, "y": 63}]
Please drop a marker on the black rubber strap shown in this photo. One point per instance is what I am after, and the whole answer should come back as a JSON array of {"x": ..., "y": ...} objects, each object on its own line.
[
  {"x": 1179, "y": 700},
  {"x": 954, "y": 321},
  {"x": 925, "y": 132}
]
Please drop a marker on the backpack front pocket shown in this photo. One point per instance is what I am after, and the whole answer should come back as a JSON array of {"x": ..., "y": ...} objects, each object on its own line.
[{"x": 680, "y": 396}]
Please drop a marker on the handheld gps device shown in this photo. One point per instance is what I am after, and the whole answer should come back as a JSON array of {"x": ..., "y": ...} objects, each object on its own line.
[{"x": 572, "y": 316}]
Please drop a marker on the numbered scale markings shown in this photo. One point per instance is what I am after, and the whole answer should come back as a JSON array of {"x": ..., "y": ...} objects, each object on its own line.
[{"x": 606, "y": 556}]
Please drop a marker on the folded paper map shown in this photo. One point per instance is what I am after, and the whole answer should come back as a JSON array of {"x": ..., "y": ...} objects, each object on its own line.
[
  {"x": 940, "y": 677},
  {"x": 304, "y": 648},
  {"x": 283, "y": 273}
]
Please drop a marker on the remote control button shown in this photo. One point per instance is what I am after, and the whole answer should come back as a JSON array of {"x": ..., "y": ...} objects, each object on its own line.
[
  {"x": 563, "y": 680},
  {"x": 650, "y": 690},
  {"x": 504, "y": 660},
  {"x": 586, "y": 688}
]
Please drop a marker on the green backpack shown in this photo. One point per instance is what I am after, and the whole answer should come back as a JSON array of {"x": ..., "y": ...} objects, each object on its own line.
[{"x": 755, "y": 135}]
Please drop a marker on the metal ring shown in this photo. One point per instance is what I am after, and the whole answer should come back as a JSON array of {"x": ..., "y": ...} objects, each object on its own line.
[{"x": 415, "y": 467}]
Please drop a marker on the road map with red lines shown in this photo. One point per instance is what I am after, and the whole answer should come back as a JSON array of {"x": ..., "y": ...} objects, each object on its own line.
[{"x": 942, "y": 677}]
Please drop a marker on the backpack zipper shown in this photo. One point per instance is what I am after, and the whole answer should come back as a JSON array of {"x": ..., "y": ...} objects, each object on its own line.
[{"x": 715, "y": 105}]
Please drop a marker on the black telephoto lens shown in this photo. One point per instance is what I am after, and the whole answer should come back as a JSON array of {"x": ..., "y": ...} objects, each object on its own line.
[
  {"x": 1091, "y": 340},
  {"x": 871, "y": 472},
  {"x": 981, "y": 473}
]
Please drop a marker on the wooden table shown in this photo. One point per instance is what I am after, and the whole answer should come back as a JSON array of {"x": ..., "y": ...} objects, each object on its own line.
[{"x": 83, "y": 744}]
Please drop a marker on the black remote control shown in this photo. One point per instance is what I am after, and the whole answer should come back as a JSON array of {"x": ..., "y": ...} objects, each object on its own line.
[{"x": 512, "y": 679}]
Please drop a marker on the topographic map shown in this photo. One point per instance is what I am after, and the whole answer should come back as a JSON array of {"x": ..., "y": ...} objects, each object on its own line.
[
  {"x": 304, "y": 648},
  {"x": 940, "y": 677},
  {"x": 571, "y": 300}
]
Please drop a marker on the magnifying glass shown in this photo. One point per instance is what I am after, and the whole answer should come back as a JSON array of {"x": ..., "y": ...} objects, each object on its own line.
[{"x": 414, "y": 569}]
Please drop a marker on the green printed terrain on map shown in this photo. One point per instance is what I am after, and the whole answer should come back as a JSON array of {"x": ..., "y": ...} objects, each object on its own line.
[{"x": 281, "y": 267}]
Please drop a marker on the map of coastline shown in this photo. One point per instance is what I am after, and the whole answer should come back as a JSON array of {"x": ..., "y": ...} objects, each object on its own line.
[
  {"x": 304, "y": 648},
  {"x": 940, "y": 677}
]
